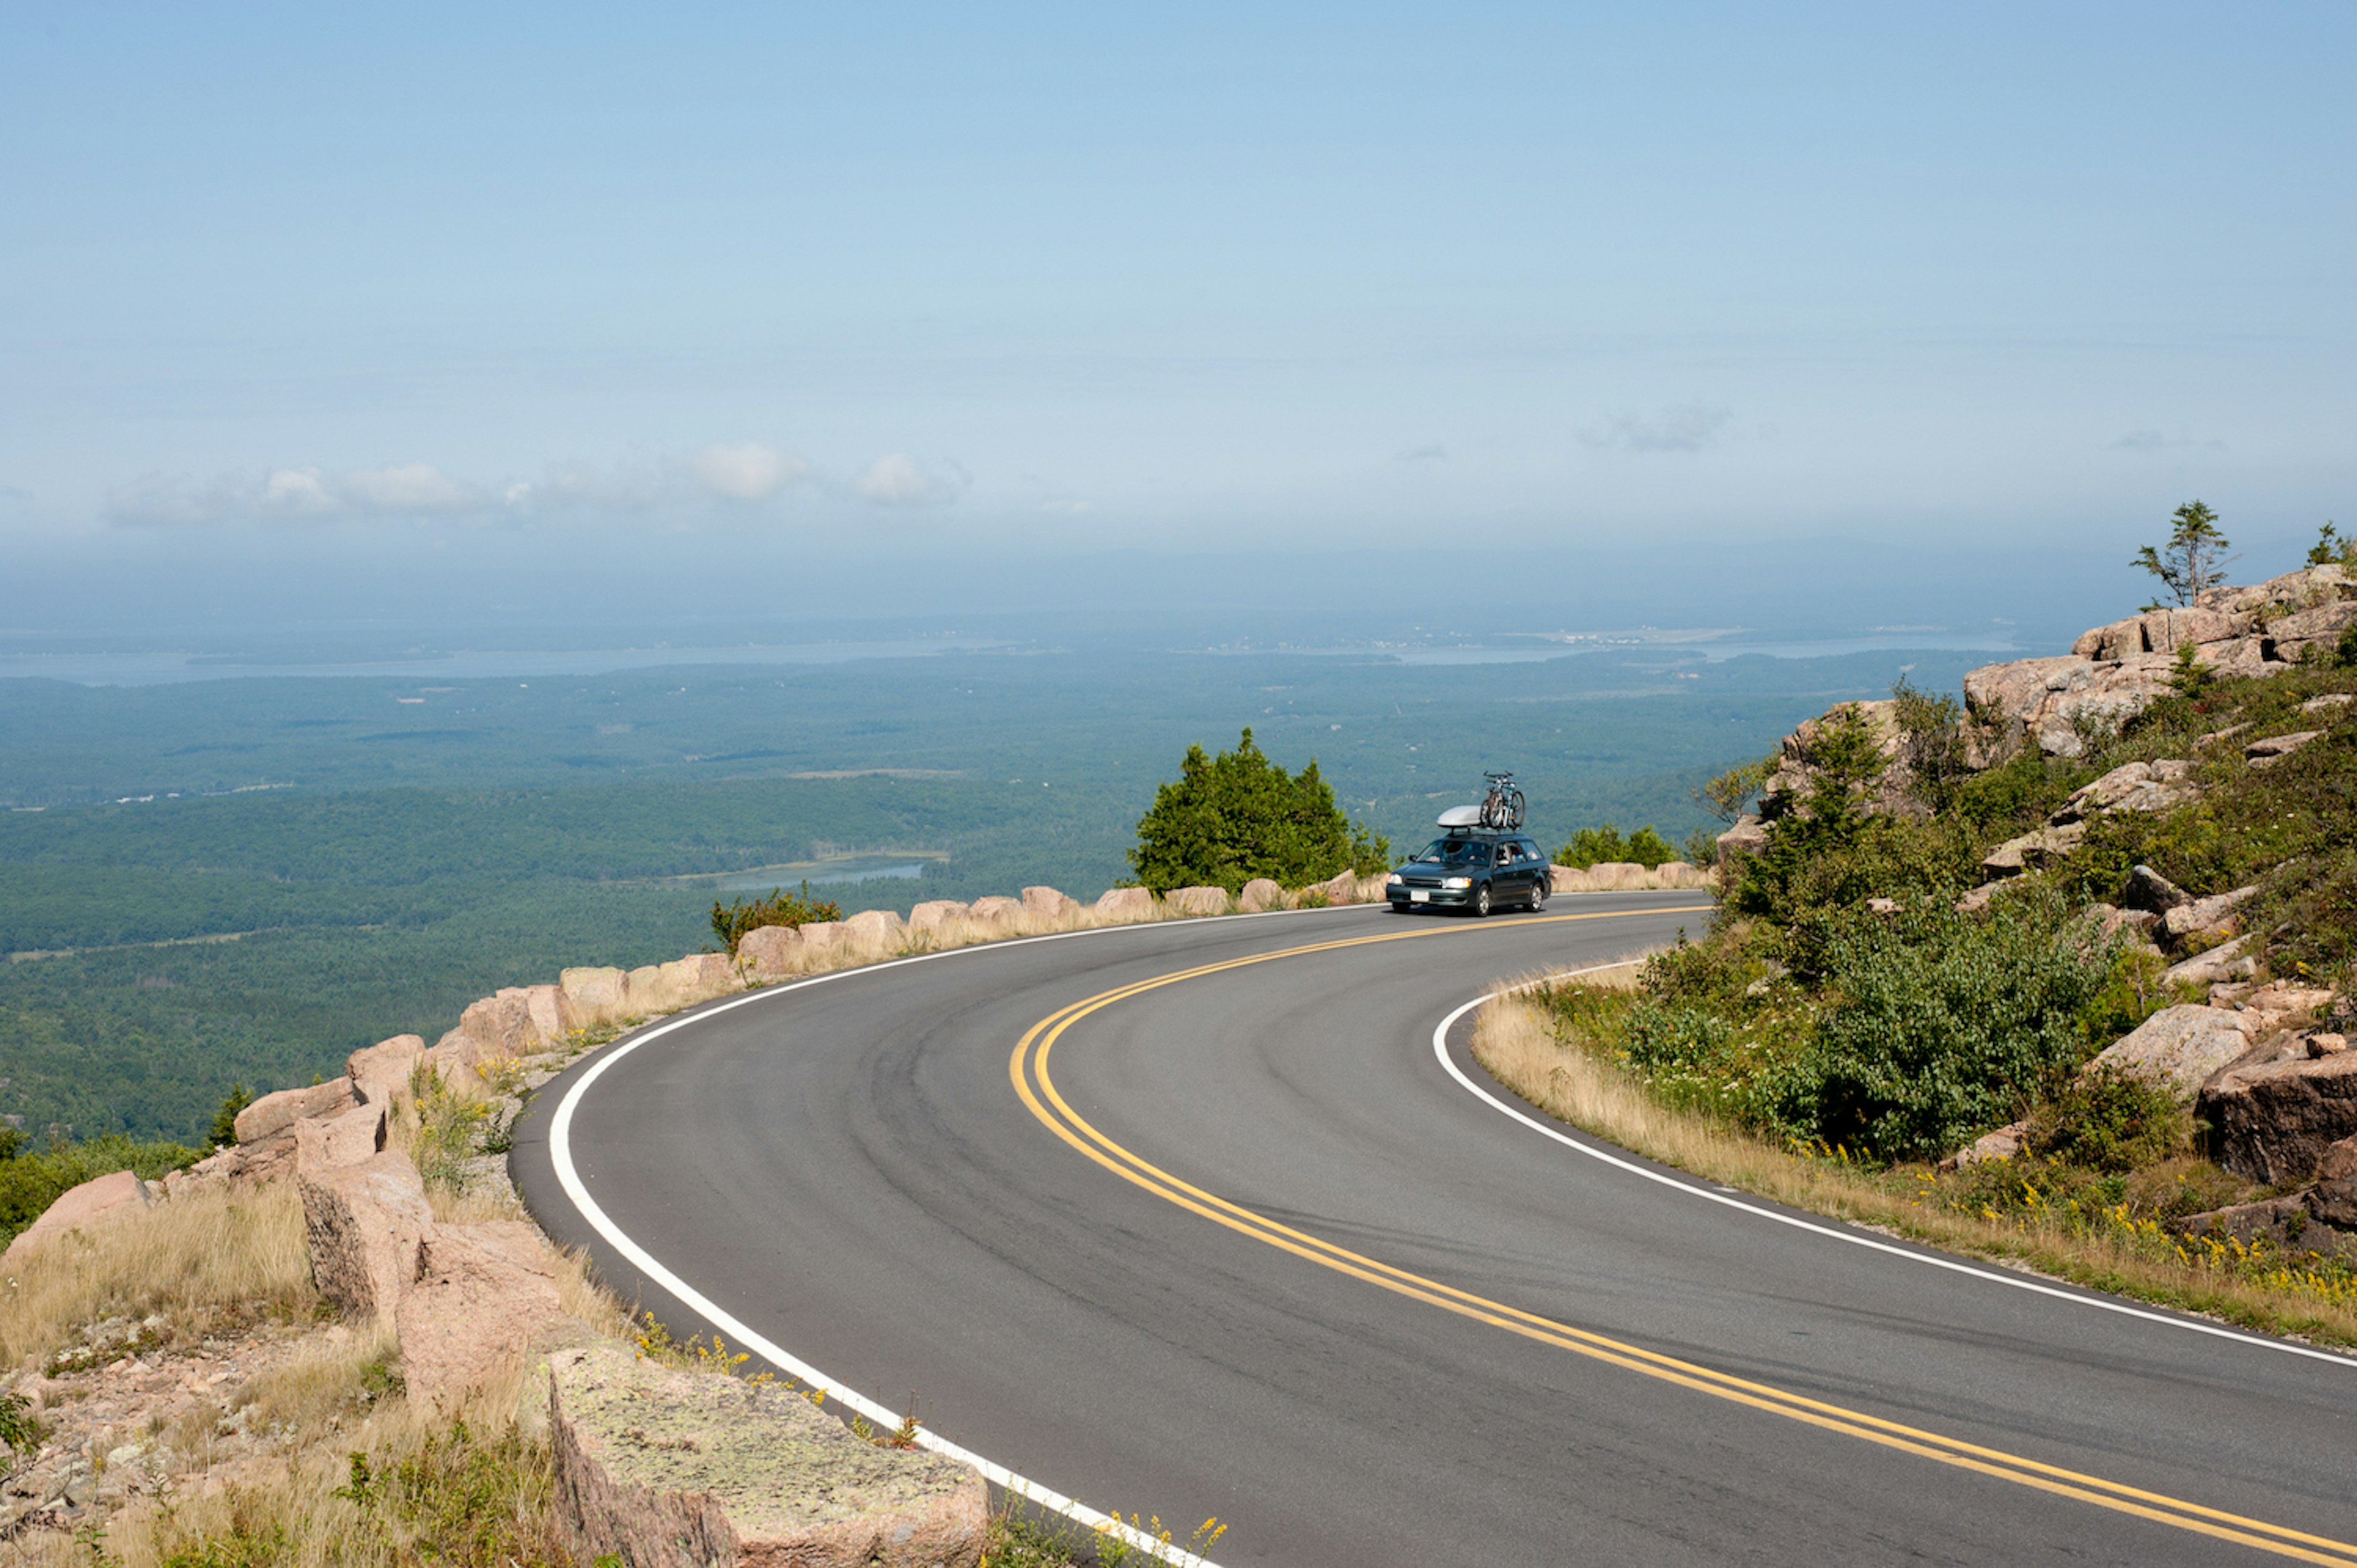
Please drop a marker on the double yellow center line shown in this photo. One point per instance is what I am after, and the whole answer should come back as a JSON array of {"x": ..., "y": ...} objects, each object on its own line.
[{"x": 1028, "y": 1068}]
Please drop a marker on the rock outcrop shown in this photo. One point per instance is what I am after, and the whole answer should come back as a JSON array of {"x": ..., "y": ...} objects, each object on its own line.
[
  {"x": 365, "y": 1223},
  {"x": 328, "y": 1142},
  {"x": 2274, "y": 749},
  {"x": 275, "y": 1112},
  {"x": 2115, "y": 671},
  {"x": 668, "y": 1469},
  {"x": 1046, "y": 904},
  {"x": 380, "y": 1071},
  {"x": 1126, "y": 904},
  {"x": 1748, "y": 836},
  {"x": 933, "y": 915},
  {"x": 769, "y": 952},
  {"x": 2204, "y": 920},
  {"x": 1625, "y": 875},
  {"x": 1800, "y": 758},
  {"x": 2321, "y": 1218},
  {"x": 1258, "y": 895},
  {"x": 1197, "y": 900},
  {"x": 2178, "y": 1047},
  {"x": 996, "y": 911},
  {"x": 2273, "y": 1121},
  {"x": 78, "y": 1209},
  {"x": 596, "y": 996},
  {"x": 480, "y": 1294}
]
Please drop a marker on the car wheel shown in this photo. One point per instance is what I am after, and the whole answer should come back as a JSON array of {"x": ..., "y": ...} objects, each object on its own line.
[
  {"x": 1538, "y": 897},
  {"x": 1481, "y": 901}
]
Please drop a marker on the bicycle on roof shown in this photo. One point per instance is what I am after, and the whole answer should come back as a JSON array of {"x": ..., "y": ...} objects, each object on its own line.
[{"x": 1501, "y": 808}]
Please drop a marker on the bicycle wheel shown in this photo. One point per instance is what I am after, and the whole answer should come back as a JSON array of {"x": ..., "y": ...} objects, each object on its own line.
[{"x": 1514, "y": 811}]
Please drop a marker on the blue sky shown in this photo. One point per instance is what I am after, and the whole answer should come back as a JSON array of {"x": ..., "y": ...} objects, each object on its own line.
[{"x": 311, "y": 284}]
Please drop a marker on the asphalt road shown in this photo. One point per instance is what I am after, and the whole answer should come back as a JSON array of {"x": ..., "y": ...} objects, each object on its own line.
[{"x": 1423, "y": 1333}]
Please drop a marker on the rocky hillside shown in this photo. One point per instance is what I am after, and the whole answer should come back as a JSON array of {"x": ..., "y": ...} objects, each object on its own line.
[{"x": 2140, "y": 856}]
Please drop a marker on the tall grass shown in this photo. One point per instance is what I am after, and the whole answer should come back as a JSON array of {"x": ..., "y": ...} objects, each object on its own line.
[{"x": 206, "y": 1254}]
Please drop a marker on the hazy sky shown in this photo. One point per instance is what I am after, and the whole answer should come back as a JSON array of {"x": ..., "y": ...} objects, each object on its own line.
[{"x": 292, "y": 282}]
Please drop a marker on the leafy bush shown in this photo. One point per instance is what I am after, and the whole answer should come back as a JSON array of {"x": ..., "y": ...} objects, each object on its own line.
[
  {"x": 1228, "y": 819},
  {"x": 1590, "y": 846},
  {"x": 2018, "y": 793},
  {"x": 731, "y": 923},
  {"x": 1932, "y": 734},
  {"x": 1943, "y": 1025},
  {"x": 2109, "y": 1121},
  {"x": 1806, "y": 882}
]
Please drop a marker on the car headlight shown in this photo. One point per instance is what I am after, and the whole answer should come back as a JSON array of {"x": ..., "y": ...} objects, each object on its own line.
[
  {"x": 1458, "y": 882},
  {"x": 1394, "y": 880}
]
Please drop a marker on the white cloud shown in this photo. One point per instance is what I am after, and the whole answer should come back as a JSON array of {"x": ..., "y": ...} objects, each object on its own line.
[
  {"x": 1435, "y": 453},
  {"x": 1680, "y": 427},
  {"x": 899, "y": 479},
  {"x": 684, "y": 483},
  {"x": 296, "y": 492},
  {"x": 406, "y": 487},
  {"x": 747, "y": 471}
]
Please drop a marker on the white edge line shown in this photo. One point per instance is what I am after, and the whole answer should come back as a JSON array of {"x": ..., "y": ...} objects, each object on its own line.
[
  {"x": 1854, "y": 1238},
  {"x": 560, "y": 1147}
]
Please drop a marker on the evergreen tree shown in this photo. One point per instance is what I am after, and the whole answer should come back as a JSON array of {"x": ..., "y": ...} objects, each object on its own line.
[
  {"x": 2195, "y": 556},
  {"x": 1228, "y": 819}
]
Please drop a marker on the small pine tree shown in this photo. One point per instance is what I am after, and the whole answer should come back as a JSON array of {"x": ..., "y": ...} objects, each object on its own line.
[
  {"x": 224, "y": 1131},
  {"x": 2188, "y": 675},
  {"x": 2194, "y": 558}
]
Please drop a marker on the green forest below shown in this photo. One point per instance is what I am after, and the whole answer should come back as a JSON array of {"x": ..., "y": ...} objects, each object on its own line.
[{"x": 327, "y": 861}]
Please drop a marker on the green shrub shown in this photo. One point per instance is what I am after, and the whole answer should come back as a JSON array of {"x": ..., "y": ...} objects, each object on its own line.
[
  {"x": 1943, "y": 1025},
  {"x": 1227, "y": 820},
  {"x": 731, "y": 923},
  {"x": 2018, "y": 793},
  {"x": 1589, "y": 846},
  {"x": 2109, "y": 1121}
]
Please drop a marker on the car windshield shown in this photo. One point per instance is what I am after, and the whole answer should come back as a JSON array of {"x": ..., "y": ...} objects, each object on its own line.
[{"x": 1455, "y": 852}]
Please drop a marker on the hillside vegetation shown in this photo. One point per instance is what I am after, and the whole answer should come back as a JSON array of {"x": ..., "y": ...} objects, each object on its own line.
[{"x": 2057, "y": 979}]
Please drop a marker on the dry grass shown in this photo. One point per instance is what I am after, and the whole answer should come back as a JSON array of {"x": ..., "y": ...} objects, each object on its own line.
[
  {"x": 202, "y": 1256},
  {"x": 342, "y": 1396},
  {"x": 1516, "y": 1041}
]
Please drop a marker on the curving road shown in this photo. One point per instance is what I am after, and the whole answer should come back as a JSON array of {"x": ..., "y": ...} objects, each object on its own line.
[{"x": 1240, "y": 1244}]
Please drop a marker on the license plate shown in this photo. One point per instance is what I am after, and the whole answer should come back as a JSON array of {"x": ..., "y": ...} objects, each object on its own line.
[{"x": 1419, "y": 896}]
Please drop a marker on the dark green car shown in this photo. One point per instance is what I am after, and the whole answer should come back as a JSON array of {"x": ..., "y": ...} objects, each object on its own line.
[{"x": 1472, "y": 868}]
